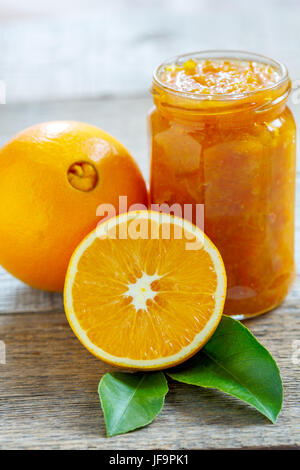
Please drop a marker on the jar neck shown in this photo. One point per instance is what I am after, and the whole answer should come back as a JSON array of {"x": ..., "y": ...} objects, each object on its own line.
[{"x": 259, "y": 106}]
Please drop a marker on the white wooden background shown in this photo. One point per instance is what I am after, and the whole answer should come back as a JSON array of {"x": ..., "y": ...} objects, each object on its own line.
[{"x": 66, "y": 49}]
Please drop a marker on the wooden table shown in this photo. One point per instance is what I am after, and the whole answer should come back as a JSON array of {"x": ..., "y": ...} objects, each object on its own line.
[
  {"x": 92, "y": 61},
  {"x": 48, "y": 386}
]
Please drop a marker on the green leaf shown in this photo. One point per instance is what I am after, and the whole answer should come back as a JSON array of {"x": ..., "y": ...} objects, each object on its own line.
[
  {"x": 234, "y": 362},
  {"x": 130, "y": 401}
]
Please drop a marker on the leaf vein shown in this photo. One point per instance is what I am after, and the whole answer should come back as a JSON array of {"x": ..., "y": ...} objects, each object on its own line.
[
  {"x": 237, "y": 380},
  {"x": 127, "y": 404}
]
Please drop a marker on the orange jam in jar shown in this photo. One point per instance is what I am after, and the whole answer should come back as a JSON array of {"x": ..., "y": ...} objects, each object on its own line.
[{"x": 223, "y": 136}]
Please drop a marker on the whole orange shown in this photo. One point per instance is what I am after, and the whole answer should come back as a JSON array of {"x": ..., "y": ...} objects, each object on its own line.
[{"x": 53, "y": 176}]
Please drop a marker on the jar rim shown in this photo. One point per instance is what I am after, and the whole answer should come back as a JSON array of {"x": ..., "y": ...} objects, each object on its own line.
[{"x": 221, "y": 54}]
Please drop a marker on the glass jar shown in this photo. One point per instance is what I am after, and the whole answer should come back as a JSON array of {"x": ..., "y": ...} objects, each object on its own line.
[{"x": 236, "y": 155}]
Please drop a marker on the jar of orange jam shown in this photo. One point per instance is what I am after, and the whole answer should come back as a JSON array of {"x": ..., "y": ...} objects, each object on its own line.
[{"x": 223, "y": 136}]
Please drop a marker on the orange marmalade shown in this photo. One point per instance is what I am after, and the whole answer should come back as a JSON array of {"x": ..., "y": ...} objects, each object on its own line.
[{"x": 223, "y": 136}]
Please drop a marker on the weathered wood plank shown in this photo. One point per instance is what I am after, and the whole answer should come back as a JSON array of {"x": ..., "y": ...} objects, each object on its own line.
[
  {"x": 48, "y": 394},
  {"x": 68, "y": 49},
  {"x": 48, "y": 386},
  {"x": 17, "y": 297}
]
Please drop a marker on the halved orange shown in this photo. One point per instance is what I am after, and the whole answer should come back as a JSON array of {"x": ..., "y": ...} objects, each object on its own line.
[{"x": 145, "y": 290}]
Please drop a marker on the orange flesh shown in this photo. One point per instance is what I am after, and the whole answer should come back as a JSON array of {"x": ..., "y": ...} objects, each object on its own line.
[
  {"x": 237, "y": 162},
  {"x": 182, "y": 303},
  {"x": 218, "y": 76}
]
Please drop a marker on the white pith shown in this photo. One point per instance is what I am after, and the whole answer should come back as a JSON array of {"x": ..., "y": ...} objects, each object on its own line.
[
  {"x": 141, "y": 291},
  {"x": 145, "y": 283}
]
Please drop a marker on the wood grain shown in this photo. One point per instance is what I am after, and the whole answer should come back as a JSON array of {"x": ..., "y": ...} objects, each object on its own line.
[
  {"x": 48, "y": 386},
  {"x": 48, "y": 394}
]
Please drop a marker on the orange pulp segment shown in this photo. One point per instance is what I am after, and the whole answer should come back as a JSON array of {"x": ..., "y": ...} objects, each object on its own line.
[
  {"x": 218, "y": 76},
  {"x": 145, "y": 290}
]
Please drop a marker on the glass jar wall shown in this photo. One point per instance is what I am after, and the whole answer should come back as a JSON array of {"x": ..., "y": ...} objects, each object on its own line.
[{"x": 234, "y": 152}]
